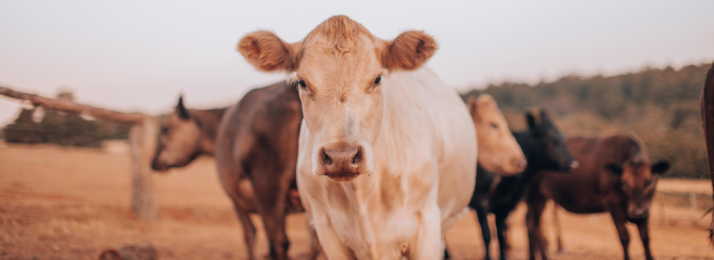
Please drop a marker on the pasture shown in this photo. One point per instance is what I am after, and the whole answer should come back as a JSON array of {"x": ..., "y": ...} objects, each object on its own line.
[{"x": 71, "y": 203}]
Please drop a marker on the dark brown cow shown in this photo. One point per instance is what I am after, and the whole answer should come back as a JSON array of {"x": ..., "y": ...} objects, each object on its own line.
[
  {"x": 186, "y": 134},
  {"x": 708, "y": 123},
  {"x": 256, "y": 150},
  {"x": 256, "y": 154},
  {"x": 615, "y": 175}
]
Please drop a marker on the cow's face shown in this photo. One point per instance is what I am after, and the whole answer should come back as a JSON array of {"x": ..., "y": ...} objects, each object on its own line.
[
  {"x": 637, "y": 182},
  {"x": 498, "y": 150},
  {"x": 179, "y": 141},
  {"x": 339, "y": 68},
  {"x": 551, "y": 150}
]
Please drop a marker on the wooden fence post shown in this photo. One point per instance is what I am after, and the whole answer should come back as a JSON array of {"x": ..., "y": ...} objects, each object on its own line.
[
  {"x": 142, "y": 140},
  {"x": 693, "y": 205}
]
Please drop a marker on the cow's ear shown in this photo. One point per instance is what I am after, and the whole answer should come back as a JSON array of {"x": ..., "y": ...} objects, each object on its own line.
[
  {"x": 409, "y": 51},
  {"x": 660, "y": 168},
  {"x": 487, "y": 100},
  {"x": 473, "y": 105},
  {"x": 110, "y": 254},
  {"x": 531, "y": 120},
  {"x": 544, "y": 117},
  {"x": 181, "y": 110},
  {"x": 614, "y": 168},
  {"x": 268, "y": 53}
]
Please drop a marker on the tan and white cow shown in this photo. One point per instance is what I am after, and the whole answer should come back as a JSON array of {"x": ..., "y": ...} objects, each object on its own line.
[{"x": 386, "y": 152}]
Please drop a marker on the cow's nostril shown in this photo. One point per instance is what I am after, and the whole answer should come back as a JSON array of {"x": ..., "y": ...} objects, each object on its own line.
[
  {"x": 638, "y": 213},
  {"x": 574, "y": 165},
  {"x": 357, "y": 158},
  {"x": 326, "y": 159}
]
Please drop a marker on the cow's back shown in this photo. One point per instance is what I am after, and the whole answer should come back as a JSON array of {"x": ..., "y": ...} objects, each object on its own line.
[{"x": 588, "y": 188}]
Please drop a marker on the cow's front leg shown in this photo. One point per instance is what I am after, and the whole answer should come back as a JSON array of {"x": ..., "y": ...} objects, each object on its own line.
[
  {"x": 643, "y": 227},
  {"x": 332, "y": 246},
  {"x": 619, "y": 218},
  {"x": 316, "y": 252},
  {"x": 427, "y": 243}
]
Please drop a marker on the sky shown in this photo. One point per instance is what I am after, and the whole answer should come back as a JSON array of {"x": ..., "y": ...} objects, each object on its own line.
[{"x": 140, "y": 55}]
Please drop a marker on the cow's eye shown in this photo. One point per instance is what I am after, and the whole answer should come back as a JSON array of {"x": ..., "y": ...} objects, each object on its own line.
[
  {"x": 623, "y": 185},
  {"x": 495, "y": 126},
  {"x": 165, "y": 130},
  {"x": 650, "y": 182},
  {"x": 377, "y": 80},
  {"x": 302, "y": 83}
]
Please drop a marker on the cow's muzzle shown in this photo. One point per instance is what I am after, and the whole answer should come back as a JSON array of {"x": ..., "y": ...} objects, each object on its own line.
[
  {"x": 158, "y": 166},
  {"x": 342, "y": 161},
  {"x": 638, "y": 213}
]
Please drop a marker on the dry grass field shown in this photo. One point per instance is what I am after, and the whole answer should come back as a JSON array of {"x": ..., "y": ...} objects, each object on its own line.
[{"x": 70, "y": 203}]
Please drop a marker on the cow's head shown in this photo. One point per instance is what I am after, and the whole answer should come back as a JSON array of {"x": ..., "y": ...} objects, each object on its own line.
[
  {"x": 637, "y": 182},
  {"x": 179, "y": 140},
  {"x": 339, "y": 68},
  {"x": 550, "y": 150},
  {"x": 498, "y": 150}
]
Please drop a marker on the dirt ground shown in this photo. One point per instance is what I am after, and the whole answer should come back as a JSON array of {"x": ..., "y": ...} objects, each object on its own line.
[{"x": 71, "y": 203}]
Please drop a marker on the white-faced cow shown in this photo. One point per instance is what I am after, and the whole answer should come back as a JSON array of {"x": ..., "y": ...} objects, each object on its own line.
[{"x": 386, "y": 151}]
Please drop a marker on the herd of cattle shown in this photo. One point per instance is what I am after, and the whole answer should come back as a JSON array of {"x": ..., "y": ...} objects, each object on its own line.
[{"x": 382, "y": 156}]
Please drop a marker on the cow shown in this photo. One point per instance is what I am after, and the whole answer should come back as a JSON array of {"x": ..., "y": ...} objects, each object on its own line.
[
  {"x": 255, "y": 147},
  {"x": 184, "y": 135},
  {"x": 386, "y": 151},
  {"x": 256, "y": 153},
  {"x": 497, "y": 148},
  {"x": 544, "y": 148},
  {"x": 707, "y": 107},
  {"x": 615, "y": 176}
]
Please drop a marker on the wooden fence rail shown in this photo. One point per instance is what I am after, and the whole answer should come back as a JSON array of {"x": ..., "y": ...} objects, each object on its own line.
[{"x": 142, "y": 141}]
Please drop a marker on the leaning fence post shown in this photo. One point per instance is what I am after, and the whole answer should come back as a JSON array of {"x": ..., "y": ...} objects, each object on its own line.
[{"x": 142, "y": 140}]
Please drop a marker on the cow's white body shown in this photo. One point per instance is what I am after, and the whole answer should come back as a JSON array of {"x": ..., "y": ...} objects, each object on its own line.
[{"x": 423, "y": 178}]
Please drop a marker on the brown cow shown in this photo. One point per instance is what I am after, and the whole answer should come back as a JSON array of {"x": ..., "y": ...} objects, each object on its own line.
[
  {"x": 615, "y": 175},
  {"x": 255, "y": 148},
  {"x": 256, "y": 153},
  {"x": 708, "y": 123},
  {"x": 186, "y": 134}
]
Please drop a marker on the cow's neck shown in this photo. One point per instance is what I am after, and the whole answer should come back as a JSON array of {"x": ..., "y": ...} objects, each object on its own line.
[
  {"x": 358, "y": 192},
  {"x": 208, "y": 121},
  {"x": 510, "y": 189},
  {"x": 208, "y": 144},
  {"x": 525, "y": 140}
]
